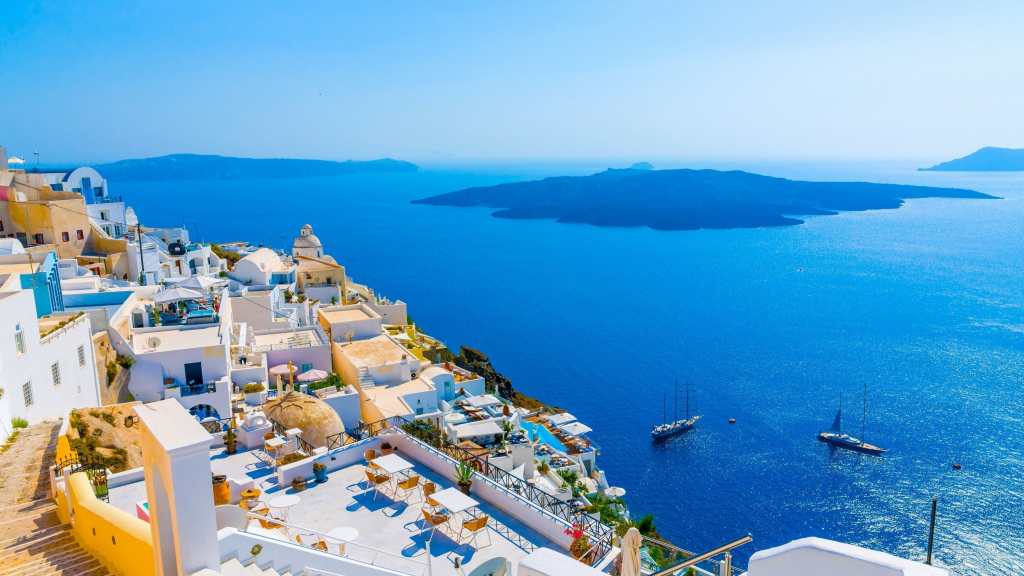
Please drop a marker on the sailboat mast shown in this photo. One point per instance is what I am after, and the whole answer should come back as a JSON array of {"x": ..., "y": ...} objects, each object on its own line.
[{"x": 864, "y": 421}]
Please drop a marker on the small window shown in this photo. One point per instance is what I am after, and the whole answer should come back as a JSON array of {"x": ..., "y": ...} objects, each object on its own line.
[
  {"x": 55, "y": 372},
  {"x": 39, "y": 238},
  {"x": 65, "y": 236},
  {"x": 81, "y": 356},
  {"x": 307, "y": 367},
  {"x": 104, "y": 215},
  {"x": 80, "y": 235},
  {"x": 26, "y": 390},
  {"x": 19, "y": 339},
  {"x": 1, "y": 225}
]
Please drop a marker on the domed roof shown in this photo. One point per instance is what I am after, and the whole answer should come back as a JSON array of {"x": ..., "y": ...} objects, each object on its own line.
[
  {"x": 306, "y": 239},
  {"x": 312, "y": 415}
]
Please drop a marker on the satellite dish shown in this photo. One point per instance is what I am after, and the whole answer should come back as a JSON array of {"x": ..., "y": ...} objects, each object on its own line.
[
  {"x": 153, "y": 342},
  {"x": 349, "y": 334}
]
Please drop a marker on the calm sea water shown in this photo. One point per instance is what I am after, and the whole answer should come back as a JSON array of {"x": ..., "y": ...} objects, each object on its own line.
[{"x": 924, "y": 304}]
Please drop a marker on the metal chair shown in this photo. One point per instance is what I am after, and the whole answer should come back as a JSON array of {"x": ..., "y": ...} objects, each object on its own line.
[
  {"x": 376, "y": 481},
  {"x": 475, "y": 527}
]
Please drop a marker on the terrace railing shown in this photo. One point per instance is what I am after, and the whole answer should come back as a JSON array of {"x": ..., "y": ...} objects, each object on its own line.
[
  {"x": 600, "y": 534},
  {"x": 194, "y": 389},
  {"x": 93, "y": 467},
  {"x": 302, "y": 445},
  {"x": 669, "y": 560},
  {"x": 215, "y": 426}
]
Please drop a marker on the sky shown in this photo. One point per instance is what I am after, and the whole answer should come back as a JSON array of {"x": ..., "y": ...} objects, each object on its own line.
[{"x": 454, "y": 82}]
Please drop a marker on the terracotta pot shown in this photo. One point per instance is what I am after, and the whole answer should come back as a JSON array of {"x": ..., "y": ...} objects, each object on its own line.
[
  {"x": 298, "y": 483},
  {"x": 230, "y": 448},
  {"x": 221, "y": 491},
  {"x": 465, "y": 487},
  {"x": 387, "y": 451}
]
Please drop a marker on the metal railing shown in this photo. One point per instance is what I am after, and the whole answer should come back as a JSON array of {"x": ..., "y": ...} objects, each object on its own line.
[
  {"x": 304, "y": 446},
  {"x": 600, "y": 534},
  {"x": 105, "y": 200},
  {"x": 74, "y": 321},
  {"x": 93, "y": 467},
  {"x": 215, "y": 426},
  {"x": 673, "y": 561},
  {"x": 303, "y": 531},
  {"x": 194, "y": 389}
]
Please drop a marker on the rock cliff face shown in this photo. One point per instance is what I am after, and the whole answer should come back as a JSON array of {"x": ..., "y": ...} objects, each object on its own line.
[{"x": 476, "y": 361}]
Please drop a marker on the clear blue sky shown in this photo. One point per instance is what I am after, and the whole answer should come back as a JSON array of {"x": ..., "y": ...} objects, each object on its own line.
[{"x": 443, "y": 82}]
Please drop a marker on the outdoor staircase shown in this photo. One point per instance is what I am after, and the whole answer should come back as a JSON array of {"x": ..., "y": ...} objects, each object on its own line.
[
  {"x": 33, "y": 542},
  {"x": 365, "y": 380},
  {"x": 233, "y": 567}
]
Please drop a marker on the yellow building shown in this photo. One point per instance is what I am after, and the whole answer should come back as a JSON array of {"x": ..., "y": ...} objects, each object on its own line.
[{"x": 320, "y": 279}]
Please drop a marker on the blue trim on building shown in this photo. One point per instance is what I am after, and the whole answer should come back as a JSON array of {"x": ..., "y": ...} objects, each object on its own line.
[{"x": 45, "y": 285}]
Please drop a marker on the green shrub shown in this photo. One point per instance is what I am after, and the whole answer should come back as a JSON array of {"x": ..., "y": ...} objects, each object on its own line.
[
  {"x": 111, "y": 372},
  {"x": 291, "y": 458},
  {"x": 222, "y": 274},
  {"x": 318, "y": 467},
  {"x": 125, "y": 362},
  {"x": 253, "y": 388},
  {"x": 19, "y": 423}
]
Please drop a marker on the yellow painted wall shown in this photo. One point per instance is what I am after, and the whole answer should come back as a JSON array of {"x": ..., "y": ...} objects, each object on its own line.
[{"x": 120, "y": 541}]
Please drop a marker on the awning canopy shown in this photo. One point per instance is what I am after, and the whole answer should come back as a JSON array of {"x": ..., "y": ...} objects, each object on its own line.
[
  {"x": 471, "y": 429},
  {"x": 313, "y": 375},
  {"x": 576, "y": 428},
  {"x": 198, "y": 282},
  {"x": 560, "y": 419},
  {"x": 177, "y": 295},
  {"x": 483, "y": 400}
]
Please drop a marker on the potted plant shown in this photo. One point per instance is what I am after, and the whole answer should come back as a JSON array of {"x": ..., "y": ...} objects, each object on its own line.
[
  {"x": 464, "y": 472},
  {"x": 580, "y": 542},
  {"x": 230, "y": 441},
  {"x": 320, "y": 471},
  {"x": 221, "y": 490},
  {"x": 543, "y": 467},
  {"x": 254, "y": 393},
  {"x": 299, "y": 483},
  {"x": 386, "y": 448}
]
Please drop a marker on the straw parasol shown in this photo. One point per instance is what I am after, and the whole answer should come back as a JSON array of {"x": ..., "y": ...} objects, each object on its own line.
[{"x": 631, "y": 553}]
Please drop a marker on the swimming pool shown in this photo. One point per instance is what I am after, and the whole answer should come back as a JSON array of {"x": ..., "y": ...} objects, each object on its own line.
[{"x": 538, "y": 430}]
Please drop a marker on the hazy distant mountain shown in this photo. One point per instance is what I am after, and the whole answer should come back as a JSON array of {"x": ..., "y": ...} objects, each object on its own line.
[
  {"x": 987, "y": 159},
  {"x": 642, "y": 166},
  {"x": 684, "y": 199},
  {"x": 199, "y": 167}
]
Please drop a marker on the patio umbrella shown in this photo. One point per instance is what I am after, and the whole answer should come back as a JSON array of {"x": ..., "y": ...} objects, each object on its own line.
[
  {"x": 576, "y": 428},
  {"x": 631, "y": 553},
  {"x": 198, "y": 282},
  {"x": 177, "y": 295},
  {"x": 615, "y": 492},
  {"x": 313, "y": 375},
  {"x": 281, "y": 370}
]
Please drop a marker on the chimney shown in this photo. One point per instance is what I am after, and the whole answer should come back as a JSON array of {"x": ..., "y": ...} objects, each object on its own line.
[{"x": 3, "y": 158}]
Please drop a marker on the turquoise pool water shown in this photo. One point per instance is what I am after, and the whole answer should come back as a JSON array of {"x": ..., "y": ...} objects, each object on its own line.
[{"x": 546, "y": 437}]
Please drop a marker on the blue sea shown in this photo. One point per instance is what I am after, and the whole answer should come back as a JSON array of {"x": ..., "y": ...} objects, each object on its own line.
[{"x": 923, "y": 304}]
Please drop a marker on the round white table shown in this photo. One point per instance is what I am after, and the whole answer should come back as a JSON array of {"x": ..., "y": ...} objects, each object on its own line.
[
  {"x": 341, "y": 536},
  {"x": 284, "y": 503}
]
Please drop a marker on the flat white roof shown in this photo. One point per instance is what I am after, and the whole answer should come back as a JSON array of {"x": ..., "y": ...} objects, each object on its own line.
[
  {"x": 485, "y": 428},
  {"x": 352, "y": 315},
  {"x": 388, "y": 397},
  {"x": 482, "y": 401},
  {"x": 178, "y": 338}
]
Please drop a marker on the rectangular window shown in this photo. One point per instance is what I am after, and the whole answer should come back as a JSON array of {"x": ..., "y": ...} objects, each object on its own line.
[
  {"x": 26, "y": 391},
  {"x": 55, "y": 372},
  {"x": 81, "y": 356},
  {"x": 21, "y": 238},
  {"x": 65, "y": 236},
  {"x": 104, "y": 215},
  {"x": 1, "y": 225},
  {"x": 307, "y": 367},
  {"x": 80, "y": 235},
  {"x": 39, "y": 239},
  {"x": 19, "y": 339}
]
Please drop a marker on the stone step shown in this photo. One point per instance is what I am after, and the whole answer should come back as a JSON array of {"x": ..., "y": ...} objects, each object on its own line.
[
  {"x": 233, "y": 568},
  {"x": 39, "y": 537},
  {"x": 56, "y": 544}
]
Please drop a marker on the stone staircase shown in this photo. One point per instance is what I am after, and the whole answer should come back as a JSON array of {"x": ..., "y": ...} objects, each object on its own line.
[
  {"x": 33, "y": 542},
  {"x": 233, "y": 567},
  {"x": 365, "y": 380}
]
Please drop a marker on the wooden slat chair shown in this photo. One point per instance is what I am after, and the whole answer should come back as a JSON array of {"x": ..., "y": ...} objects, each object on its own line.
[
  {"x": 475, "y": 527},
  {"x": 434, "y": 520},
  {"x": 410, "y": 484},
  {"x": 376, "y": 482}
]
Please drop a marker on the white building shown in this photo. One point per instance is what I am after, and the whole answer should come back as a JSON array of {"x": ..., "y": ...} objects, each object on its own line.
[
  {"x": 350, "y": 323},
  {"x": 263, "y": 267},
  {"x": 306, "y": 244},
  {"x": 45, "y": 369}
]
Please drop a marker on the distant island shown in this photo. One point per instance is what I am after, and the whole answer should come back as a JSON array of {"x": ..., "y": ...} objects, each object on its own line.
[
  {"x": 200, "y": 167},
  {"x": 685, "y": 199},
  {"x": 987, "y": 159}
]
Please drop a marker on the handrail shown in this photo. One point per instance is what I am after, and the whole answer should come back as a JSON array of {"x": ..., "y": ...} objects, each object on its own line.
[
  {"x": 71, "y": 324},
  {"x": 704, "y": 556},
  {"x": 323, "y": 535}
]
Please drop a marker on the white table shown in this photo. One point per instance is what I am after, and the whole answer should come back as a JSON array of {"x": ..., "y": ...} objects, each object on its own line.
[
  {"x": 341, "y": 536},
  {"x": 393, "y": 464},
  {"x": 284, "y": 503},
  {"x": 274, "y": 444},
  {"x": 454, "y": 500}
]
